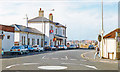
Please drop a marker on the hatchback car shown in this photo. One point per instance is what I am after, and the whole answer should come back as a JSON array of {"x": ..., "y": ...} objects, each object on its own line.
[
  {"x": 62, "y": 47},
  {"x": 37, "y": 48},
  {"x": 18, "y": 49}
]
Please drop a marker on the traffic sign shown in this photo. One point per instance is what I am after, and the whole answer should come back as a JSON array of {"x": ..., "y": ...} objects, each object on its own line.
[{"x": 99, "y": 38}]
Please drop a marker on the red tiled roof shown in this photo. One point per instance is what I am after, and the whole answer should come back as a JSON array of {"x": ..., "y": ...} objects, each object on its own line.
[{"x": 112, "y": 34}]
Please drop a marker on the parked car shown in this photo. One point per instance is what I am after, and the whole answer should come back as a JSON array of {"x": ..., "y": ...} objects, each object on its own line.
[
  {"x": 37, "y": 48},
  {"x": 30, "y": 48},
  {"x": 47, "y": 48},
  {"x": 91, "y": 47},
  {"x": 72, "y": 46},
  {"x": 18, "y": 49},
  {"x": 53, "y": 47},
  {"x": 62, "y": 47}
]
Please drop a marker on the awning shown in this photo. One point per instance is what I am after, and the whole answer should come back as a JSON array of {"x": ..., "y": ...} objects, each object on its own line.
[{"x": 60, "y": 37}]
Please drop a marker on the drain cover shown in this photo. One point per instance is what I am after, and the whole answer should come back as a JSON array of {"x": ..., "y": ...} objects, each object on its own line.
[{"x": 52, "y": 67}]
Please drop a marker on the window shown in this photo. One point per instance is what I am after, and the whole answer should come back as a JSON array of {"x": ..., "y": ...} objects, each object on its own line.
[
  {"x": 28, "y": 41},
  {"x": 37, "y": 41},
  {"x": 56, "y": 31},
  {"x": 33, "y": 41},
  {"x": 8, "y": 37},
  {"x": 41, "y": 42},
  {"x": 22, "y": 40},
  {"x": 51, "y": 27},
  {"x": 63, "y": 32}
]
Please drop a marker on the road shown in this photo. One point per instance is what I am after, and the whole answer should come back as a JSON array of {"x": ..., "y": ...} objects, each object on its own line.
[{"x": 56, "y": 60}]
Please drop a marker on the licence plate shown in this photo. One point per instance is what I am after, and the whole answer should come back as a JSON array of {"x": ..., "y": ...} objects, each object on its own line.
[{"x": 14, "y": 49}]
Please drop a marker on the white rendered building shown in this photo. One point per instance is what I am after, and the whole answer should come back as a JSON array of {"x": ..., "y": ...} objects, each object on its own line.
[{"x": 55, "y": 33}]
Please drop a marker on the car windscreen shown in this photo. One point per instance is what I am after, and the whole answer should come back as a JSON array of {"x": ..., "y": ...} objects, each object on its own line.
[
  {"x": 16, "y": 47},
  {"x": 34, "y": 46}
]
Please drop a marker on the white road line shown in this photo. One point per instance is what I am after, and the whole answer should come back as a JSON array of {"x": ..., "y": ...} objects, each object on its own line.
[
  {"x": 29, "y": 63},
  {"x": 12, "y": 66},
  {"x": 66, "y": 57},
  {"x": 73, "y": 59},
  {"x": 54, "y": 58},
  {"x": 43, "y": 57},
  {"x": 91, "y": 66}
]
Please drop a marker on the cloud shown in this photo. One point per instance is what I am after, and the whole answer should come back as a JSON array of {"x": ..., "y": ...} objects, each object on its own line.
[{"x": 83, "y": 19}]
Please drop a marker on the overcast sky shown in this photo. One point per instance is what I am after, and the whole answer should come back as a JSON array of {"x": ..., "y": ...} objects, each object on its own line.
[{"x": 82, "y": 17}]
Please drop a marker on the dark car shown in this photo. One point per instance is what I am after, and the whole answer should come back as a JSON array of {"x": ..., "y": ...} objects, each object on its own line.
[
  {"x": 91, "y": 47},
  {"x": 47, "y": 48}
]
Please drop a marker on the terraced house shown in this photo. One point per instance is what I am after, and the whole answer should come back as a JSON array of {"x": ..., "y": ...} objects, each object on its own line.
[{"x": 54, "y": 32}]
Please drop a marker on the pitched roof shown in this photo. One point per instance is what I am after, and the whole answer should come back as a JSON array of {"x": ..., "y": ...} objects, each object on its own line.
[
  {"x": 26, "y": 29},
  {"x": 112, "y": 34},
  {"x": 39, "y": 19},
  {"x": 44, "y": 19}
]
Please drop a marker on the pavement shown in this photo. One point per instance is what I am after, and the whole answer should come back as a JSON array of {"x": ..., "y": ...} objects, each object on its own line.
[{"x": 90, "y": 56}]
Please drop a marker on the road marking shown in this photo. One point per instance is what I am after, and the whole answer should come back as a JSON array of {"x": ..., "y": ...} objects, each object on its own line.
[
  {"x": 67, "y": 63},
  {"x": 52, "y": 67},
  {"x": 73, "y": 59},
  {"x": 12, "y": 66},
  {"x": 66, "y": 57},
  {"x": 43, "y": 57},
  {"x": 54, "y": 58},
  {"x": 29, "y": 63},
  {"x": 91, "y": 66}
]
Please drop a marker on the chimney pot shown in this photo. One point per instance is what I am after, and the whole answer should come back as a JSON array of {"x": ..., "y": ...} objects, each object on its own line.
[{"x": 40, "y": 9}]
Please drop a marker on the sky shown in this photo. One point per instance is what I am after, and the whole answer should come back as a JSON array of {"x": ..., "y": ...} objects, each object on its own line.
[{"x": 83, "y": 18}]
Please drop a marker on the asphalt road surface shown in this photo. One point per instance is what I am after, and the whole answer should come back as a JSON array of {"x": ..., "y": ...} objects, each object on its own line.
[{"x": 56, "y": 60}]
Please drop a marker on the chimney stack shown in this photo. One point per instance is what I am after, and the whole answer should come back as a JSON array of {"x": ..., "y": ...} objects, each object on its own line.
[
  {"x": 51, "y": 17},
  {"x": 41, "y": 13}
]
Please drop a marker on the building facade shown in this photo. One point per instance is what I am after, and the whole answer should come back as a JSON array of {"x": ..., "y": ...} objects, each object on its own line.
[
  {"x": 6, "y": 37},
  {"x": 111, "y": 45},
  {"x": 54, "y": 32},
  {"x": 27, "y": 35}
]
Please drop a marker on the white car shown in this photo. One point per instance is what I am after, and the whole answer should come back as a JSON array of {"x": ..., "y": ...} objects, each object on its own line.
[
  {"x": 37, "y": 48},
  {"x": 62, "y": 47}
]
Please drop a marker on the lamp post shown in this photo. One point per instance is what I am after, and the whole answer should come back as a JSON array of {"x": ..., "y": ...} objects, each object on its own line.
[
  {"x": 27, "y": 27},
  {"x": 102, "y": 29}
]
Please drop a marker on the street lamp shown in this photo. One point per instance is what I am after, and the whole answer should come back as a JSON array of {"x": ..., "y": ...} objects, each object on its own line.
[{"x": 27, "y": 27}]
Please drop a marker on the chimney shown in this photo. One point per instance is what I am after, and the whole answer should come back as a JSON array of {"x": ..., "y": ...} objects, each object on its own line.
[
  {"x": 41, "y": 13},
  {"x": 51, "y": 17}
]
